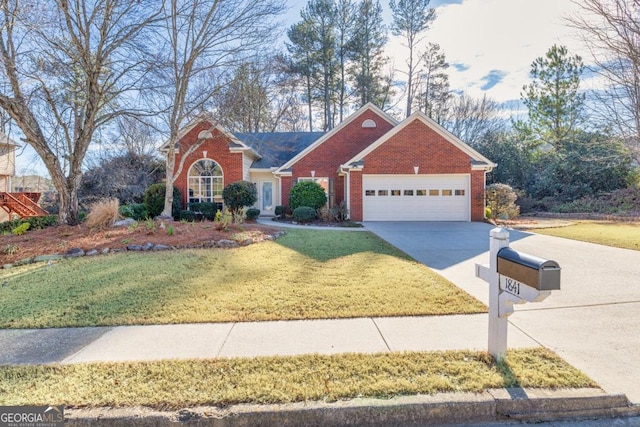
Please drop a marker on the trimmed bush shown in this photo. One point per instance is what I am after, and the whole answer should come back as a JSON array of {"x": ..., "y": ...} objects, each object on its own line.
[
  {"x": 501, "y": 200},
  {"x": 154, "y": 200},
  {"x": 307, "y": 193},
  {"x": 137, "y": 211},
  {"x": 304, "y": 214},
  {"x": 280, "y": 211},
  {"x": 238, "y": 195},
  {"x": 253, "y": 214},
  {"x": 207, "y": 209},
  {"x": 187, "y": 216}
]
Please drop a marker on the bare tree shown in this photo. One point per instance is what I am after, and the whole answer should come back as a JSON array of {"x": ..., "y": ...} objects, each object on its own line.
[
  {"x": 611, "y": 30},
  {"x": 65, "y": 65},
  {"x": 199, "y": 40},
  {"x": 471, "y": 119},
  {"x": 411, "y": 18}
]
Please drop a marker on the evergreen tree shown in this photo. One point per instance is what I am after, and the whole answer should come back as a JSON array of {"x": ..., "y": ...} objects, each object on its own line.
[
  {"x": 555, "y": 106},
  {"x": 368, "y": 53},
  {"x": 411, "y": 18},
  {"x": 345, "y": 21},
  {"x": 303, "y": 60},
  {"x": 433, "y": 85}
]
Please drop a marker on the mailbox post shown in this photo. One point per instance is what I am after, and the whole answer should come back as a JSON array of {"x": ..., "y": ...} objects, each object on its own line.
[{"x": 514, "y": 278}]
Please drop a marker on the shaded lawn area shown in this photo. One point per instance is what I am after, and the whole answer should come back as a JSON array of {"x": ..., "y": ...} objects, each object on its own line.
[
  {"x": 307, "y": 274},
  {"x": 179, "y": 384},
  {"x": 618, "y": 234}
]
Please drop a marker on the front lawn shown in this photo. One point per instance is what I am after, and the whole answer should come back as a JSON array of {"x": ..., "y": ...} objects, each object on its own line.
[
  {"x": 179, "y": 384},
  {"x": 618, "y": 234},
  {"x": 307, "y": 274}
]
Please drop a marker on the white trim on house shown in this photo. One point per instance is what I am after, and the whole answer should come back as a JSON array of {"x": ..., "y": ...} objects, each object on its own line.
[
  {"x": 418, "y": 115},
  {"x": 335, "y": 130}
]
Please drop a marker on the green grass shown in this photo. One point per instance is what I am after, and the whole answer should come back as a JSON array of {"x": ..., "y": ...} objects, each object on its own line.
[
  {"x": 618, "y": 234},
  {"x": 307, "y": 274},
  {"x": 178, "y": 384}
]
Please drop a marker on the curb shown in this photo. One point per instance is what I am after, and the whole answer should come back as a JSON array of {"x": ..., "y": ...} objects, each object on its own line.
[{"x": 442, "y": 409}]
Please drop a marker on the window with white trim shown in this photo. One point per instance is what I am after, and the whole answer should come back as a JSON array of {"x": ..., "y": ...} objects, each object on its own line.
[{"x": 206, "y": 182}]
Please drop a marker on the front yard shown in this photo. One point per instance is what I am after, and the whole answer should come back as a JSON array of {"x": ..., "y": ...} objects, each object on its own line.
[
  {"x": 618, "y": 234},
  {"x": 307, "y": 274}
]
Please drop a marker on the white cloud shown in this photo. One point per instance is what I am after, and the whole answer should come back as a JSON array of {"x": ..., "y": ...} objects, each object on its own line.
[{"x": 497, "y": 38}]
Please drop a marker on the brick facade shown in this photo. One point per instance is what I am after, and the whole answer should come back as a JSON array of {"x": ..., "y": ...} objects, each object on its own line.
[
  {"x": 414, "y": 142},
  {"x": 217, "y": 149},
  {"x": 418, "y": 145},
  {"x": 326, "y": 159}
]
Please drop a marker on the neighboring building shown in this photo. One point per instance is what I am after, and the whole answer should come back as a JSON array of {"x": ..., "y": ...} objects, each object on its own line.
[
  {"x": 384, "y": 170},
  {"x": 7, "y": 161},
  {"x": 7, "y": 167}
]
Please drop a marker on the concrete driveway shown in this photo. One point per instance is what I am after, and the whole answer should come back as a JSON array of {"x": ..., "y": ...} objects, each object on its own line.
[{"x": 593, "y": 322}]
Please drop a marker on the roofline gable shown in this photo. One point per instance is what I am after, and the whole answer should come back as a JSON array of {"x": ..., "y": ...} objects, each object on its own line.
[
  {"x": 419, "y": 115},
  {"x": 207, "y": 117},
  {"x": 335, "y": 130}
]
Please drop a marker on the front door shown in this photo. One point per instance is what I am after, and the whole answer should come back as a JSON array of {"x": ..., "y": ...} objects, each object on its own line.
[{"x": 265, "y": 198}]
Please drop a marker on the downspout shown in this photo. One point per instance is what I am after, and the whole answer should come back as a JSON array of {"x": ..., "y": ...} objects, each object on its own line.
[
  {"x": 279, "y": 179},
  {"x": 347, "y": 183}
]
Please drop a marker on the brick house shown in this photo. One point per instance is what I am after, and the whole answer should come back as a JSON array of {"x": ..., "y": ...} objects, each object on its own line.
[{"x": 384, "y": 170}]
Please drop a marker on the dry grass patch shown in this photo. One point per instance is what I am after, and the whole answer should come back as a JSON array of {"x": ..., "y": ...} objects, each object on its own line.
[
  {"x": 103, "y": 213},
  {"x": 304, "y": 275},
  {"x": 178, "y": 384},
  {"x": 618, "y": 234}
]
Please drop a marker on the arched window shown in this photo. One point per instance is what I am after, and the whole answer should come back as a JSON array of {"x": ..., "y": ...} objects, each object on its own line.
[{"x": 205, "y": 182}]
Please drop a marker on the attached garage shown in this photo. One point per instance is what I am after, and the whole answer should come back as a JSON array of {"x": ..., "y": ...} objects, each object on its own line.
[{"x": 442, "y": 197}]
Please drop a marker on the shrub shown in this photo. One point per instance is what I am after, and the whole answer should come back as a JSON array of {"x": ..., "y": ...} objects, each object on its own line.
[
  {"x": 154, "y": 200},
  {"x": 207, "y": 209},
  {"x": 339, "y": 213},
  {"x": 239, "y": 194},
  {"x": 304, "y": 214},
  {"x": 35, "y": 223},
  {"x": 187, "y": 216},
  {"x": 280, "y": 211},
  {"x": 501, "y": 200},
  {"x": 103, "y": 213},
  {"x": 253, "y": 214},
  {"x": 487, "y": 212},
  {"x": 307, "y": 193},
  {"x": 137, "y": 211},
  {"x": 21, "y": 229},
  {"x": 222, "y": 219}
]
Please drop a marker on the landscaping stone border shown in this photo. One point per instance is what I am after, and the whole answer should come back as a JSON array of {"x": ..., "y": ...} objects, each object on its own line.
[{"x": 148, "y": 247}]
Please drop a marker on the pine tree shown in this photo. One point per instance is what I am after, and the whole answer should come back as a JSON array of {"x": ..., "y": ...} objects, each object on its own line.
[
  {"x": 368, "y": 53},
  {"x": 411, "y": 18},
  {"x": 555, "y": 106}
]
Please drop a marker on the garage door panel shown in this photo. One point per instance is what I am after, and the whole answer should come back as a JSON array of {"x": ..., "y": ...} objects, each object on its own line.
[{"x": 416, "y": 198}]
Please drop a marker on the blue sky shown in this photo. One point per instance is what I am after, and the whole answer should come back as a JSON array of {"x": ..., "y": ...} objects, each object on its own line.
[{"x": 489, "y": 44}]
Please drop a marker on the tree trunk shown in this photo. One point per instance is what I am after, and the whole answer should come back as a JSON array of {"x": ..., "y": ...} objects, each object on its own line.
[{"x": 167, "y": 211}]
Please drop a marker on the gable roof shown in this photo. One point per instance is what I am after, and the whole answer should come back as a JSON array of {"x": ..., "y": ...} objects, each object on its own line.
[
  {"x": 332, "y": 132},
  {"x": 478, "y": 161},
  {"x": 276, "y": 148}
]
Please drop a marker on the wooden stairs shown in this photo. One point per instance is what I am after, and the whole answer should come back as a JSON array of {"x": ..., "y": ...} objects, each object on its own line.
[{"x": 24, "y": 205}]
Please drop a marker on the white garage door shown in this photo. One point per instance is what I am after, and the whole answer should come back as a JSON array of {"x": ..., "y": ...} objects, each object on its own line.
[{"x": 416, "y": 198}]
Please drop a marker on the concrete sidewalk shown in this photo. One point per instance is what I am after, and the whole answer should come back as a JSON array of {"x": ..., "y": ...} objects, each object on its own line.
[{"x": 249, "y": 339}]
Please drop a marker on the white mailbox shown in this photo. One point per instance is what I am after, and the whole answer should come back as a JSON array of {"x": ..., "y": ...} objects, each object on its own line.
[{"x": 514, "y": 278}]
